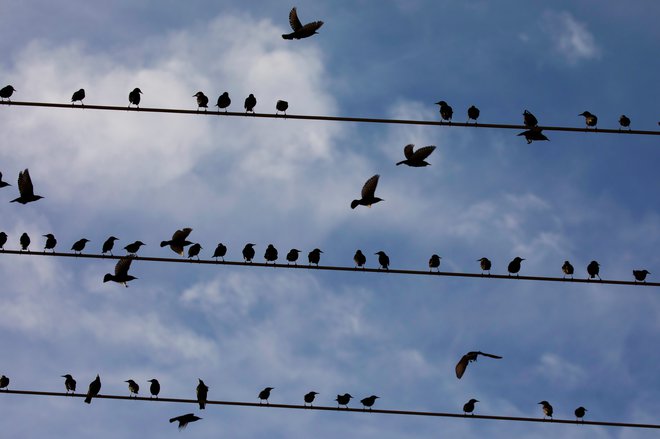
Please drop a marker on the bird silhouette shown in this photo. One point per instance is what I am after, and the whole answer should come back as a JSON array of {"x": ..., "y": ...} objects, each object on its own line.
[
  {"x": 446, "y": 112},
  {"x": 78, "y": 96},
  {"x": 6, "y": 92},
  {"x": 360, "y": 259},
  {"x": 309, "y": 397},
  {"x": 69, "y": 383},
  {"x": 51, "y": 242},
  {"x": 624, "y": 122},
  {"x": 25, "y": 242},
  {"x": 202, "y": 394},
  {"x": 514, "y": 266},
  {"x": 108, "y": 245},
  {"x": 590, "y": 119},
  {"x": 3, "y": 183},
  {"x": 416, "y": 159},
  {"x": 220, "y": 252},
  {"x": 154, "y": 388},
  {"x": 134, "y": 97},
  {"x": 194, "y": 250},
  {"x": 593, "y": 269},
  {"x": 300, "y": 31},
  {"x": 79, "y": 245},
  {"x": 184, "y": 420},
  {"x": 343, "y": 399},
  {"x": 292, "y": 256},
  {"x": 314, "y": 257},
  {"x": 383, "y": 260},
  {"x": 265, "y": 394},
  {"x": 568, "y": 269},
  {"x": 434, "y": 262},
  {"x": 368, "y": 193},
  {"x": 473, "y": 114},
  {"x": 178, "y": 241},
  {"x": 121, "y": 275},
  {"x": 369, "y": 401},
  {"x": 133, "y": 387},
  {"x": 94, "y": 389},
  {"x": 579, "y": 413},
  {"x": 640, "y": 275},
  {"x": 468, "y": 407},
  {"x": 281, "y": 106},
  {"x": 532, "y": 134},
  {"x": 223, "y": 101},
  {"x": 250, "y": 103},
  {"x": 3, "y": 240},
  {"x": 271, "y": 254},
  {"x": 248, "y": 252},
  {"x": 468, "y": 358},
  {"x": 134, "y": 247},
  {"x": 547, "y": 409},
  {"x": 4, "y": 382},
  {"x": 202, "y": 100},
  {"x": 26, "y": 189},
  {"x": 529, "y": 119}
]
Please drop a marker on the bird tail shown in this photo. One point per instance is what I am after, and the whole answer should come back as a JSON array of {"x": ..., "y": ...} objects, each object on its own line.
[
  {"x": 164, "y": 243},
  {"x": 202, "y": 405},
  {"x": 173, "y": 419},
  {"x": 287, "y": 36},
  {"x": 88, "y": 400},
  {"x": 354, "y": 204},
  {"x": 400, "y": 163}
]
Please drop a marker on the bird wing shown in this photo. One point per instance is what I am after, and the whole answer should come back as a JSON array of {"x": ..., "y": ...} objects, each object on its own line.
[
  {"x": 423, "y": 153},
  {"x": 25, "y": 184},
  {"x": 181, "y": 235},
  {"x": 462, "y": 365},
  {"x": 408, "y": 150},
  {"x": 294, "y": 21},
  {"x": 489, "y": 355},
  {"x": 312, "y": 27},
  {"x": 369, "y": 188},
  {"x": 121, "y": 269}
]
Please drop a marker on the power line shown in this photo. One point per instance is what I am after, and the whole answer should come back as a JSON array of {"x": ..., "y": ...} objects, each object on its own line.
[
  {"x": 326, "y": 118},
  {"x": 335, "y": 409},
  {"x": 341, "y": 268}
]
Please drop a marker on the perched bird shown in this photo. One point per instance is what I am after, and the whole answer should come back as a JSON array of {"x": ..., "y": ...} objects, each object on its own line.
[
  {"x": 579, "y": 413},
  {"x": 194, "y": 250},
  {"x": 3, "y": 183},
  {"x": 78, "y": 96},
  {"x": 121, "y": 275},
  {"x": 94, "y": 389},
  {"x": 223, "y": 101},
  {"x": 314, "y": 257},
  {"x": 593, "y": 269},
  {"x": 154, "y": 388},
  {"x": 343, "y": 399},
  {"x": 360, "y": 259},
  {"x": 25, "y": 242},
  {"x": 248, "y": 252},
  {"x": 590, "y": 119},
  {"x": 133, "y": 387},
  {"x": 468, "y": 407},
  {"x": 529, "y": 119},
  {"x": 624, "y": 121},
  {"x": 79, "y": 245},
  {"x": 368, "y": 193},
  {"x": 250, "y": 103},
  {"x": 265, "y": 394},
  {"x": 26, "y": 189},
  {"x": 446, "y": 112},
  {"x": 532, "y": 134},
  {"x": 514, "y": 266},
  {"x": 202, "y": 100},
  {"x": 69, "y": 383},
  {"x": 547, "y": 409},
  {"x": 134, "y": 97},
  {"x": 6, "y": 92},
  {"x": 178, "y": 241},
  {"x": 4, "y": 382},
  {"x": 568, "y": 270},
  {"x": 202, "y": 393},
  {"x": 434, "y": 262},
  {"x": 383, "y": 260},
  {"x": 640, "y": 275},
  {"x": 309, "y": 397},
  {"x": 473, "y": 114},
  {"x": 184, "y": 420},
  {"x": 51, "y": 242},
  {"x": 467, "y": 359},
  {"x": 271, "y": 253},
  {"x": 3, "y": 240},
  {"x": 292, "y": 256},
  {"x": 300, "y": 31},
  {"x": 134, "y": 247},
  {"x": 108, "y": 245},
  {"x": 220, "y": 251},
  {"x": 281, "y": 106},
  {"x": 369, "y": 401},
  {"x": 416, "y": 159}
]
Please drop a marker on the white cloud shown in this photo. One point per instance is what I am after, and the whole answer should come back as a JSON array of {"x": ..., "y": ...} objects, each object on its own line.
[{"x": 571, "y": 38}]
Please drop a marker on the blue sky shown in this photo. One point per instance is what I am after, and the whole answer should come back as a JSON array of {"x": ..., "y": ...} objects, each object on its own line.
[{"x": 287, "y": 182}]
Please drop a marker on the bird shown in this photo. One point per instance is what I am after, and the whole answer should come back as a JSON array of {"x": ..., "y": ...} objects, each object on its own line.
[
  {"x": 532, "y": 134},
  {"x": 514, "y": 266},
  {"x": 265, "y": 394},
  {"x": 281, "y": 106},
  {"x": 568, "y": 270},
  {"x": 184, "y": 420},
  {"x": 292, "y": 256},
  {"x": 270, "y": 255},
  {"x": 202, "y": 100},
  {"x": 121, "y": 275},
  {"x": 94, "y": 389},
  {"x": 223, "y": 101},
  {"x": 220, "y": 251},
  {"x": 314, "y": 257},
  {"x": 547, "y": 409},
  {"x": 473, "y": 114},
  {"x": 51, "y": 242},
  {"x": 108, "y": 245},
  {"x": 4, "y": 382},
  {"x": 579, "y": 413},
  {"x": 309, "y": 397},
  {"x": 202, "y": 393},
  {"x": 343, "y": 399},
  {"x": 3, "y": 183},
  {"x": 134, "y": 247},
  {"x": 416, "y": 159},
  {"x": 640, "y": 275},
  {"x": 25, "y": 242},
  {"x": 369, "y": 401},
  {"x": 78, "y": 96},
  {"x": 529, "y": 119},
  {"x": 624, "y": 121},
  {"x": 468, "y": 407},
  {"x": 383, "y": 260},
  {"x": 3, "y": 240},
  {"x": 360, "y": 259},
  {"x": 26, "y": 189},
  {"x": 250, "y": 103},
  {"x": 593, "y": 269},
  {"x": 69, "y": 383},
  {"x": 446, "y": 112},
  {"x": 6, "y": 92},
  {"x": 133, "y": 387},
  {"x": 134, "y": 97},
  {"x": 154, "y": 388},
  {"x": 178, "y": 241},
  {"x": 434, "y": 262},
  {"x": 590, "y": 119},
  {"x": 368, "y": 193},
  {"x": 193, "y": 251},
  {"x": 79, "y": 245},
  {"x": 248, "y": 252},
  {"x": 300, "y": 31},
  {"x": 468, "y": 358}
]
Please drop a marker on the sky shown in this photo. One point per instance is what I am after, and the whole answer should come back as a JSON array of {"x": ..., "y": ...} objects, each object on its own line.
[{"x": 578, "y": 197}]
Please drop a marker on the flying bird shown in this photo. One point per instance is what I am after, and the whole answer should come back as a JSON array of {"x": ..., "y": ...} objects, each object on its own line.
[
  {"x": 473, "y": 114},
  {"x": 250, "y": 103},
  {"x": 121, "y": 275},
  {"x": 309, "y": 397},
  {"x": 590, "y": 119},
  {"x": 25, "y": 242},
  {"x": 184, "y": 420},
  {"x": 3, "y": 240},
  {"x": 547, "y": 409},
  {"x": 468, "y": 407},
  {"x": 79, "y": 245},
  {"x": 292, "y": 256},
  {"x": 154, "y": 388},
  {"x": 134, "y": 247},
  {"x": 78, "y": 96},
  {"x": 94, "y": 389},
  {"x": 579, "y": 413},
  {"x": 223, "y": 101},
  {"x": 271, "y": 254},
  {"x": 416, "y": 159},
  {"x": 532, "y": 134},
  {"x": 593, "y": 269},
  {"x": 281, "y": 106},
  {"x": 4, "y": 382},
  {"x": 383, "y": 260},
  {"x": 202, "y": 394},
  {"x": 514, "y": 266},
  {"x": 69, "y": 383},
  {"x": 265, "y": 394},
  {"x": 133, "y": 387},
  {"x": 640, "y": 275},
  {"x": 6, "y": 92},
  {"x": 368, "y": 193},
  {"x": 51, "y": 242},
  {"x": 178, "y": 241},
  {"x": 369, "y": 401},
  {"x": 194, "y": 250},
  {"x": 108, "y": 245},
  {"x": 3, "y": 183},
  {"x": 446, "y": 112},
  {"x": 300, "y": 31},
  {"x": 434, "y": 262},
  {"x": 624, "y": 121},
  {"x": 468, "y": 358},
  {"x": 202, "y": 100},
  {"x": 568, "y": 269},
  {"x": 248, "y": 252},
  {"x": 26, "y": 189},
  {"x": 360, "y": 259},
  {"x": 134, "y": 97},
  {"x": 314, "y": 257},
  {"x": 529, "y": 119},
  {"x": 220, "y": 252},
  {"x": 343, "y": 399}
]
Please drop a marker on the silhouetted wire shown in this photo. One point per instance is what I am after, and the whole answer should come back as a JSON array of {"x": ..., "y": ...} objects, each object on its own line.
[
  {"x": 340, "y": 268},
  {"x": 325, "y": 118}
]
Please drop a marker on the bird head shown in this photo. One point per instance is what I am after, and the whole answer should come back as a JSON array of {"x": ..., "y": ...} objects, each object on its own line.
[
  {"x": 196, "y": 95},
  {"x": 585, "y": 114},
  {"x": 152, "y": 380},
  {"x": 67, "y": 376},
  {"x": 441, "y": 103},
  {"x": 137, "y": 90},
  {"x": 473, "y": 400},
  {"x": 544, "y": 403}
]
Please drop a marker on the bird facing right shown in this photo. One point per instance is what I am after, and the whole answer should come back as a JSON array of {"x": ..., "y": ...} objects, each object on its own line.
[
  {"x": 416, "y": 159},
  {"x": 369, "y": 401},
  {"x": 292, "y": 256},
  {"x": 94, "y": 389},
  {"x": 529, "y": 119},
  {"x": 514, "y": 266},
  {"x": 178, "y": 241},
  {"x": 78, "y": 96},
  {"x": 134, "y": 97},
  {"x": 121, "y": 275},
  {"x": 343, "y": 399},
  {"x": 300, "y": 31},
  {"x": 6, "y": 92},
  {"x": 108, "y": 245},
  {"x": 640, "y": 275},
  {"x": 4, "y": 382},
  {"x": 309, "y": 397},
  {"x": 468, "y": 407},
  {"x": 579, "y": 413},
  {"x": 265, "y": 394},
  {"x": 314, "y": 257},
  {"x": 220, "y": 251},
  {"x": 368, "y": 193},
  {"x": 25, "y": 189}
]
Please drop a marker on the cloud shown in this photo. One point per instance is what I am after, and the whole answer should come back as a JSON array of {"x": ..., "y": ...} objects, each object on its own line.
[{"x": 571, "y": 38}]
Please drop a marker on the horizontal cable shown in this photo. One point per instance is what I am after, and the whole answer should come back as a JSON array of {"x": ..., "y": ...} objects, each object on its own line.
[
  {"x": 335, "y": 409},
  {"x": 325, "y": 118},
  {"x": 340, "y": 268}
]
